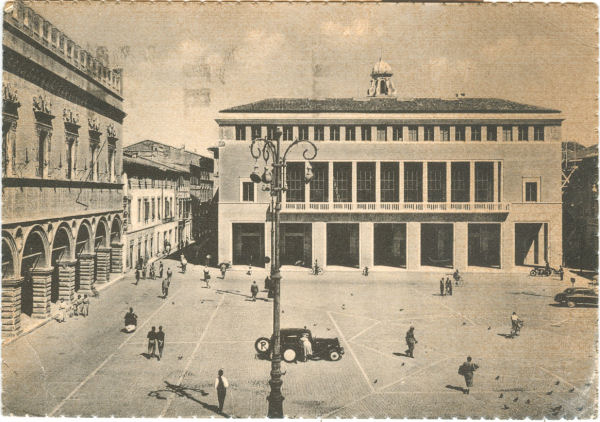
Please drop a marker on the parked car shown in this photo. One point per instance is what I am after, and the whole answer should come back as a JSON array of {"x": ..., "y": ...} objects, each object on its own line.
[
  {"x": 291, "y": 346},
  {"x": 577, "y": 296}
]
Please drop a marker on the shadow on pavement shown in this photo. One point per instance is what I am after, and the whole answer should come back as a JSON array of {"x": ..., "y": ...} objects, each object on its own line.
[
  {"x": 183, "y": 391},
  {"x": 454, "y": 387},
  {"x": 401, "y": 354},
  {"x": 248, "y": 297}
]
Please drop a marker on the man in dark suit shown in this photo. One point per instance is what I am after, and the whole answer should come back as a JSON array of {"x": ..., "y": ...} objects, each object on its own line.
[{"x": 410, "y": 342}]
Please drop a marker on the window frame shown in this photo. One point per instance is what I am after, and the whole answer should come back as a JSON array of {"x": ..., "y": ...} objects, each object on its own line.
[
  {"x": 505, "y": 130},
  {"x": 428, "y": 133},
  {"x": 475, "y": 129},
  {"x": 413, "y": 130},
  {"x": 334, "y": 133},
  {"x": 319, "y": 132},
  {"x": 523, "y": 133},
  {"x": 537, "y": 129},
  {"x": 287, "y": 133},
  {"x": 350, "y": 130},
  {"x": 381, "y": 133},
  {"x": 244, "y": 181},
  {"x": 538, "y": 192},
  {"x": 365, "y": 130},
  {"x": 445, "y": 133},
  {"x": 303, "y": 132},
  {"x": 240, "y": 132},
  {"x": 460, "y": 133},
  {"x": 397, "y": 133},
  {"x": 492, "y": 129}
]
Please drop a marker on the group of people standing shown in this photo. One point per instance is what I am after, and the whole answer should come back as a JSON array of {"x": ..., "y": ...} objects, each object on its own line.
[
  {"x": 140, "y": 271},
  {"x": 80, "y": 306},
  {"x": 156, "y": 341},
  {"x": 445, "y": 287}
]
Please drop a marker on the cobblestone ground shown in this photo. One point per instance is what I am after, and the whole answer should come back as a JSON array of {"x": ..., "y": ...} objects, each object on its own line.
[{"x": 88, "y": 367}]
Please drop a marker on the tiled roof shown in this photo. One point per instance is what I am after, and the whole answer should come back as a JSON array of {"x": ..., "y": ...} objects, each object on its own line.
[
  {"x": 154, "y": 164},
  {"x": 386, "y": 105}
]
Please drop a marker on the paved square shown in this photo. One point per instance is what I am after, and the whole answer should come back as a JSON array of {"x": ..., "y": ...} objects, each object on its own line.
[{"x": 89, "y": 367}]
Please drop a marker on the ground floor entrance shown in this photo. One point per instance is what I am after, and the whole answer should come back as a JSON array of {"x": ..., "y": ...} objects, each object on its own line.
[
  {"x": 531, "y": 243},
  {"x": 437, "y": 245},
  {"x": 296, "y": 244},
  {"x": 389, "y": 244},
  {"x": 343, "y": 244},
  {"x": 484, "y": 245},
  {"x": 249, "y": 244}
]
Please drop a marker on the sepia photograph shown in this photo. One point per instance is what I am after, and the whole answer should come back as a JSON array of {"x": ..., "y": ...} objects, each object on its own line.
[{"x": 303, "y": 210}]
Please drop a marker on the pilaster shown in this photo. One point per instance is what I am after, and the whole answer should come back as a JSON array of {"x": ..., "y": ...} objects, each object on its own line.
[
  {"x": 103, "y": 264},
  {"x": 66, "y": 280},
  {"x": 42, "y": 281},
  {"x": 86, "y": 272},
  {"x": 116, "y": 257},
  {"x": 366, "y": 244},
  {"x": 11, "y": 307}
]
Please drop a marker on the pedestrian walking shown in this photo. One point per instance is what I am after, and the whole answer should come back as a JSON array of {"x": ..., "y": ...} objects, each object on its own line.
[
  {"x": 249, "y": 272},
  {"x": 221, "y": 385},
  {"x": 151, "y": 342},
  {"x": 573, "y": 282},
  {"x": 137, "y": 276},
  {"x": 160, "y": 341},
  {"x": 183, "y": 263},
  {"x": 165, "y": 287},
  {"x": 207, "y": 277},
  {"x": 448, "y": 286},
  {"x": 144, "y": 269},
  {"x": 62, "y": 311},
  {"x": 160, "y": 270},
  {"x": 410, "y": 342},
  {"x": 516, "y": 324},
  {"x": 223, "y": 268},
  {"x": 254, "y": 290},
  {"x": 130, "y": 321},
  {"x": 442, "y": 286},
  {"x": 169, "y": 273},
  {"x": 561, "y": 273},
  {"x": 306, "y": 346},
  {"x": 76, "y": 305},
  {"x": 467, "y": 369},
  {"x": 85, "y": 305},
  {"x": 152, "y": 272}
]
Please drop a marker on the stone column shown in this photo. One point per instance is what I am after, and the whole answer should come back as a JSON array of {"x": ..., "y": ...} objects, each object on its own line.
[
  {"x": 11, "y": 307},
  {"x": 66, "y": 280},
  {"x": 42, "y": 281},
  {"x": 86, "y": 272},
  {"x": 103, "y": 264},
  {"x": 116, "y": 257},
  {"x": 366, "y": 244}
]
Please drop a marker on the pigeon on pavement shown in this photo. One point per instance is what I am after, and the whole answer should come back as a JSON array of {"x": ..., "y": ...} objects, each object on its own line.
[
  {"x": 556, "y": 409},
  {"x": 506, "y": 407},
  {"x": 497, "y": 378},
  {"x": 402, "y": 364},
  {"x": 571, "y": 390},
  {"x": 549, "y": 393},
  {"x": 489, "y": 328},
  {"x": 528, "y": 401},
  {"x": 375, "y": 382},
  {"x": 464, "y": 323}
]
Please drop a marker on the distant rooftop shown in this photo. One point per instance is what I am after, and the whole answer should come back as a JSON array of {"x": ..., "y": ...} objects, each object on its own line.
[{"x": 386, "y": 105}]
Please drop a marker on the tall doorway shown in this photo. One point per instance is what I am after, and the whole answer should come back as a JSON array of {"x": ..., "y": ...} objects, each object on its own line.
[
  {"x": 296, "y": 245},
  {"x": 531, "y": 243},
  {"x": 437, "y": 245},
  {"x": 484, "y": 245},
  {"x": 343, "y": 245},
  {"x": 249, "y": 244},
  {"x": 390, "y": 244}
]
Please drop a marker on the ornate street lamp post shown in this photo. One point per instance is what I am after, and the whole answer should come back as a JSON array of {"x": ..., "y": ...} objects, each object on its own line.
[{"x": 274, "y": 180}]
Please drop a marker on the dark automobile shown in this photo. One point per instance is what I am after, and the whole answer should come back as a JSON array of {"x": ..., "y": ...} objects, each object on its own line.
[
  {"x": 577, "y": 296},
  {"x": 291, "y": 346}
]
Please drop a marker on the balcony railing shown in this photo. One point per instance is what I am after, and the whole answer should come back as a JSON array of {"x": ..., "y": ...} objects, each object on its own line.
[{"x": 387, "y": 207}]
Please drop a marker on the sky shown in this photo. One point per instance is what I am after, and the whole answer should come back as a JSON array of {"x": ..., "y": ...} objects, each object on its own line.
[{"x": 182, "y": 63}]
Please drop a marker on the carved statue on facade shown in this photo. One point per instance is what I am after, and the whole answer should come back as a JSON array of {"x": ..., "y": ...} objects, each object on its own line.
[{"x": 42, "y": 105}]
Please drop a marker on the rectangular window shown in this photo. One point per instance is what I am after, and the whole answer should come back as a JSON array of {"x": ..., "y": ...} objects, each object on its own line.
[
  {"x": 342, "y": 182},
  {"x": 413, "y": 182},
  {"x": 153, "y": 209},
  {"x": 397, "y": 133},
  {"x": 319, "y": 185},
  {"x": 159, "y": 204},
  {"x": 492, "y": 133},
  {"x": 146, "y": 210},
  {"x": 428, "y": 133},
  {"x": 436, "y": 182},
  {"x": 256, "y": 132},
  {"x": 484, "y": 182},
  {"x": 445, "y": 133},
  {"x": 139, "y": 210},
  {"x": 247, "y": 191},
  {"x": 389, "y": 182},
  {"x": 334, "y": 133},
  {"x": 240, "y": 133},
  {"x": 459, "y": 184},
  {"x": 459, "y": 133},
  {"x": 350, "y": 133},
  {"x": 365, "y": 133},
  {"x": 530, "y": 192},
  {"x": 413, "y": 133},
  {"x": 303, "y": 132},
  {"x": 475, "y": 133},
  {"x": 271, "y": 130},
  {"x": 287, "y": 133},
  {"x": 523, "y": 133},
  {"x": 381, "y": 133},
  {"x": 538, "y": 133},
  {"x": 319, "y": 133},
  {"x": 365, "y": 182},
  {"x": 507, "y": 133},
  {"x": 295, "y": 182}
]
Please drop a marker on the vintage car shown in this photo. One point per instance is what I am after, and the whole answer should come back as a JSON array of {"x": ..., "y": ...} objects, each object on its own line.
[
  {"x": 291, "y": 346},
  {"x": 577, "y": 296}
]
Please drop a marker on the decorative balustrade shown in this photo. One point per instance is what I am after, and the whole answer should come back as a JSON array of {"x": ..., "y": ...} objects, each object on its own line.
[
  {"x": 386, "y": 207},
  {"x": 41, "y": 30}
]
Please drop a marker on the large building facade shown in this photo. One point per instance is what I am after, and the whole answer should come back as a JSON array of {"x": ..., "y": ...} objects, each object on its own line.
[
  {"x": 468, "y": 183},
  {"x": 62, "y": 209}
]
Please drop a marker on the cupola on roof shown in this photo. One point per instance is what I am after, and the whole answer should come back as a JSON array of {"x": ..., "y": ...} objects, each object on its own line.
[
  {"x": 381, "y": 68},
  {"x": 381, "y": 82}
]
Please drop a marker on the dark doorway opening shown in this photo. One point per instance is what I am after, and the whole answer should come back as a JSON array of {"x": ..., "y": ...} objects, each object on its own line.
[
  {"x": 484, "y": 245},
  {"x": 390, "y": 245},
  {"x": 342, "y": 245},
  {"x": 296, "y": 247},
  {"x": 249, "y": 244},
  {"x": 531, "y": 243},
  {"x": 437, "y": 244},
  {"x": 34, "y": 256}
]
